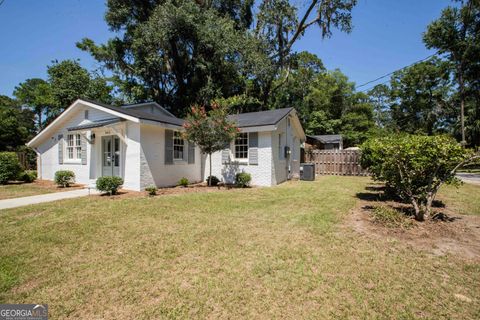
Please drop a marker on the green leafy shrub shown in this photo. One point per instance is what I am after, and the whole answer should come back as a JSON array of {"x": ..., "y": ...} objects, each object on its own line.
[
  {"x": 415, "y": 166},
  {"x": 183, "y": 182},
  {"x": 109, "y": 184},
  {"x": 243, "y": 179},
  {"x": 213, "y": 181},
  {"x": 28, "y": 176},
  {"x": 391, "y": 218},
  {"x": 152, "y": 190},
  {"x": 64, "y": 178},
  {"x": 10, "y": 167}
]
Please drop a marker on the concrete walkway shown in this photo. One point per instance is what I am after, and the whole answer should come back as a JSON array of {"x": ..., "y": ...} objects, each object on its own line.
[
  {"x": 469, "y": 177},
  {"x": 25, "y": 201}
]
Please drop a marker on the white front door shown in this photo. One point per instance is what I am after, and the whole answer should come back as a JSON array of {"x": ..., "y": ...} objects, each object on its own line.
[{"x": 110, "y": 156}]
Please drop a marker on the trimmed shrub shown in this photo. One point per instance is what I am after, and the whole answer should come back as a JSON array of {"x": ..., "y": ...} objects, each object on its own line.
[
  {"x": 10, "y": 167},
  {"x": 415, "y": 166},
  {"x": 214, "y": 181},
  {"x": 109, "y": 184},
  {"x": 64, "y": 178},
  {"x": 28, "y": 176},
  {"x": 152, "y": 190},
  {"x": 243, "y": 179},
  {"x": 183, "y": 182}
]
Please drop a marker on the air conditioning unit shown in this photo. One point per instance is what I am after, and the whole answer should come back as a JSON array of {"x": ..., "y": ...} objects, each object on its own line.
[{"x": 307, "y": 171}]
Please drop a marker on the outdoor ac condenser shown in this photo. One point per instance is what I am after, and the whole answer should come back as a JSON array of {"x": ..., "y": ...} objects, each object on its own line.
[{"x": 307, "y": 171}]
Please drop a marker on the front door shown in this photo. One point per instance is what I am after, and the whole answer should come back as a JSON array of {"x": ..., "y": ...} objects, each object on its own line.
[{"x": 110, "y": 156}]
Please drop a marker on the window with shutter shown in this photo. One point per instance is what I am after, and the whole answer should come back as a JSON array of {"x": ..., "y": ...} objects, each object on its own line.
[
  {"x": 178, "y": 146},
  {"x": 241, "y": 146}
]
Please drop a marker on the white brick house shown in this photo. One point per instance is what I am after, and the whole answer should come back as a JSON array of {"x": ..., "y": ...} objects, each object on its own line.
[{"x": 141, "y": 144}]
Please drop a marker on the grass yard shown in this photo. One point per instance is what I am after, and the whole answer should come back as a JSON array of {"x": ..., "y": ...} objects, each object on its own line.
[
  {"x": 465, "y": 199},
  {"x": 16, "y": 190},
  {"x": 279, "y": 252}
]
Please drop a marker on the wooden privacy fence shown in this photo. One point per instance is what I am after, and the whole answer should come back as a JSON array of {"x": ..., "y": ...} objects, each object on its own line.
[{"x": 336, "y": 162}]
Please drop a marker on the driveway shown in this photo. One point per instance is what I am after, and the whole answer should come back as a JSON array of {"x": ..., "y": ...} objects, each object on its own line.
[
  {"x": 473, "y": 178},
  {"x": 25, "y": 201}
]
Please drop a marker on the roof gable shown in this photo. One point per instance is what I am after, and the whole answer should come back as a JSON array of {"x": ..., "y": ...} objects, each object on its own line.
[
  {"x": 260, "y": 118},
  {"x": 122, "y": 113},
  {"x": 149, "y": 104}
]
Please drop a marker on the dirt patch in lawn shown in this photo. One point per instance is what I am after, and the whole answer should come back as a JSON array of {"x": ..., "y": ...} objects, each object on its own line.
[{"x": 447, "y": 233}]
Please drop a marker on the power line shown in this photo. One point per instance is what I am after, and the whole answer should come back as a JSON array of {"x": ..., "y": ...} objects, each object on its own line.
[{"x": 390, "y": 73}]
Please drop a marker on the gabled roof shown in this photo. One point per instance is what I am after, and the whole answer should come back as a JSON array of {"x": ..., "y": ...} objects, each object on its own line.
[
  {"x": 96, "y": 124},
  {"x": 260, "y": 118},
  {"x": 244, "y": 120},
  {"x": 140, "y": 114},
  {"x": 122, "y": 113},
  {"x": 148, "y": 104},
  {"x": 327, "y": 138}
]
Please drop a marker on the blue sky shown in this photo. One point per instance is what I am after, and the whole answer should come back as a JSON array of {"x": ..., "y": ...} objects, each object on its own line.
[{"x": 386, "y": 36}]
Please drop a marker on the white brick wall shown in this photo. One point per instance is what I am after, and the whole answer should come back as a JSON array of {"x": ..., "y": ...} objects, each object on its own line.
[
  {"x": 271, "y": 169},
  {"x": 154, "y": 171},
  {"x": 49, "y": 149},
  {"x": 261, "y": 173}
]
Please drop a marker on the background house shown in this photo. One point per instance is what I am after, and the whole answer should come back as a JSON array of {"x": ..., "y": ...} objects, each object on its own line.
[{"x": 325, "y": 142}]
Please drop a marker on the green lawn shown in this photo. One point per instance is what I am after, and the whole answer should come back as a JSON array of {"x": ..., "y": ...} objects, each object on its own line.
[
  {"x": 465, "y": 199},
  {"x": 22, "y": 190},
  {"x": 277, "y": 252}
]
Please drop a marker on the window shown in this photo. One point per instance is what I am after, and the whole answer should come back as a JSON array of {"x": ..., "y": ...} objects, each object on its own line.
[
  {"x": 241, "y": 146},
  {"x": 178, "y": 146},
  {"x": 74, "y": 147},
  {"x": 86, "y": 114}
]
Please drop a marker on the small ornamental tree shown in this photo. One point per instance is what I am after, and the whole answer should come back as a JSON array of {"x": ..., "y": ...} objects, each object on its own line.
[
  {"x": 211, "y": 131},
  {"x": 415, "y": 167}
]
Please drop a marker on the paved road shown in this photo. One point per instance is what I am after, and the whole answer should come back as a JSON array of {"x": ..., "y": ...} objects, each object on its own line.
[
  {"x": 469, "y": 177},
  {"x": 25, "y": 201}
]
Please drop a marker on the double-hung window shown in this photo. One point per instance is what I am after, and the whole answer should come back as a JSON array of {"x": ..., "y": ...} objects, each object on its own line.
[
  {"x": 178, "y": 146},
  {"x": 241, "y": 146},
  {"x": 74, "y": 147}
]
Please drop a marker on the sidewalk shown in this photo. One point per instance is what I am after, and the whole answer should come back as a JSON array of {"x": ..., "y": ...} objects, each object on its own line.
[{"x": 25, "y": 201}]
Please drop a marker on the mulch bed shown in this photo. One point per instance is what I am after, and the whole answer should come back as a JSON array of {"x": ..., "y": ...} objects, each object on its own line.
[{"x": 192, "y": 188}]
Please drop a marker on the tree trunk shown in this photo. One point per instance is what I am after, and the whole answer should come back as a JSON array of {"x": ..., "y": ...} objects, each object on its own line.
[
  {"x": 419, "y": 212},
  {"x": 462, "y": 103},
  {"x": 210, "y": 175}
]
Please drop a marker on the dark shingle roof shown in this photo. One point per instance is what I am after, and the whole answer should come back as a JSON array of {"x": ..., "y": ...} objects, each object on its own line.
[
  {"x": 249, "y": 119},
  {"x": 328, "y": 138},
  {"x": 141, "y": 115},
  {"x": 95, "y": 124},
  {"x": 260, "y": 118}
]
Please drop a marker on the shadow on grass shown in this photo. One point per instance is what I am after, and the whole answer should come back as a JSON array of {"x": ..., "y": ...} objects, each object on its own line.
[{"x": 378, "y": 195}]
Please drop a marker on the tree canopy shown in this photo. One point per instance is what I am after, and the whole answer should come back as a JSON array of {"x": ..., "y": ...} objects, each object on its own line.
[{"x": 181, "y": 53}]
